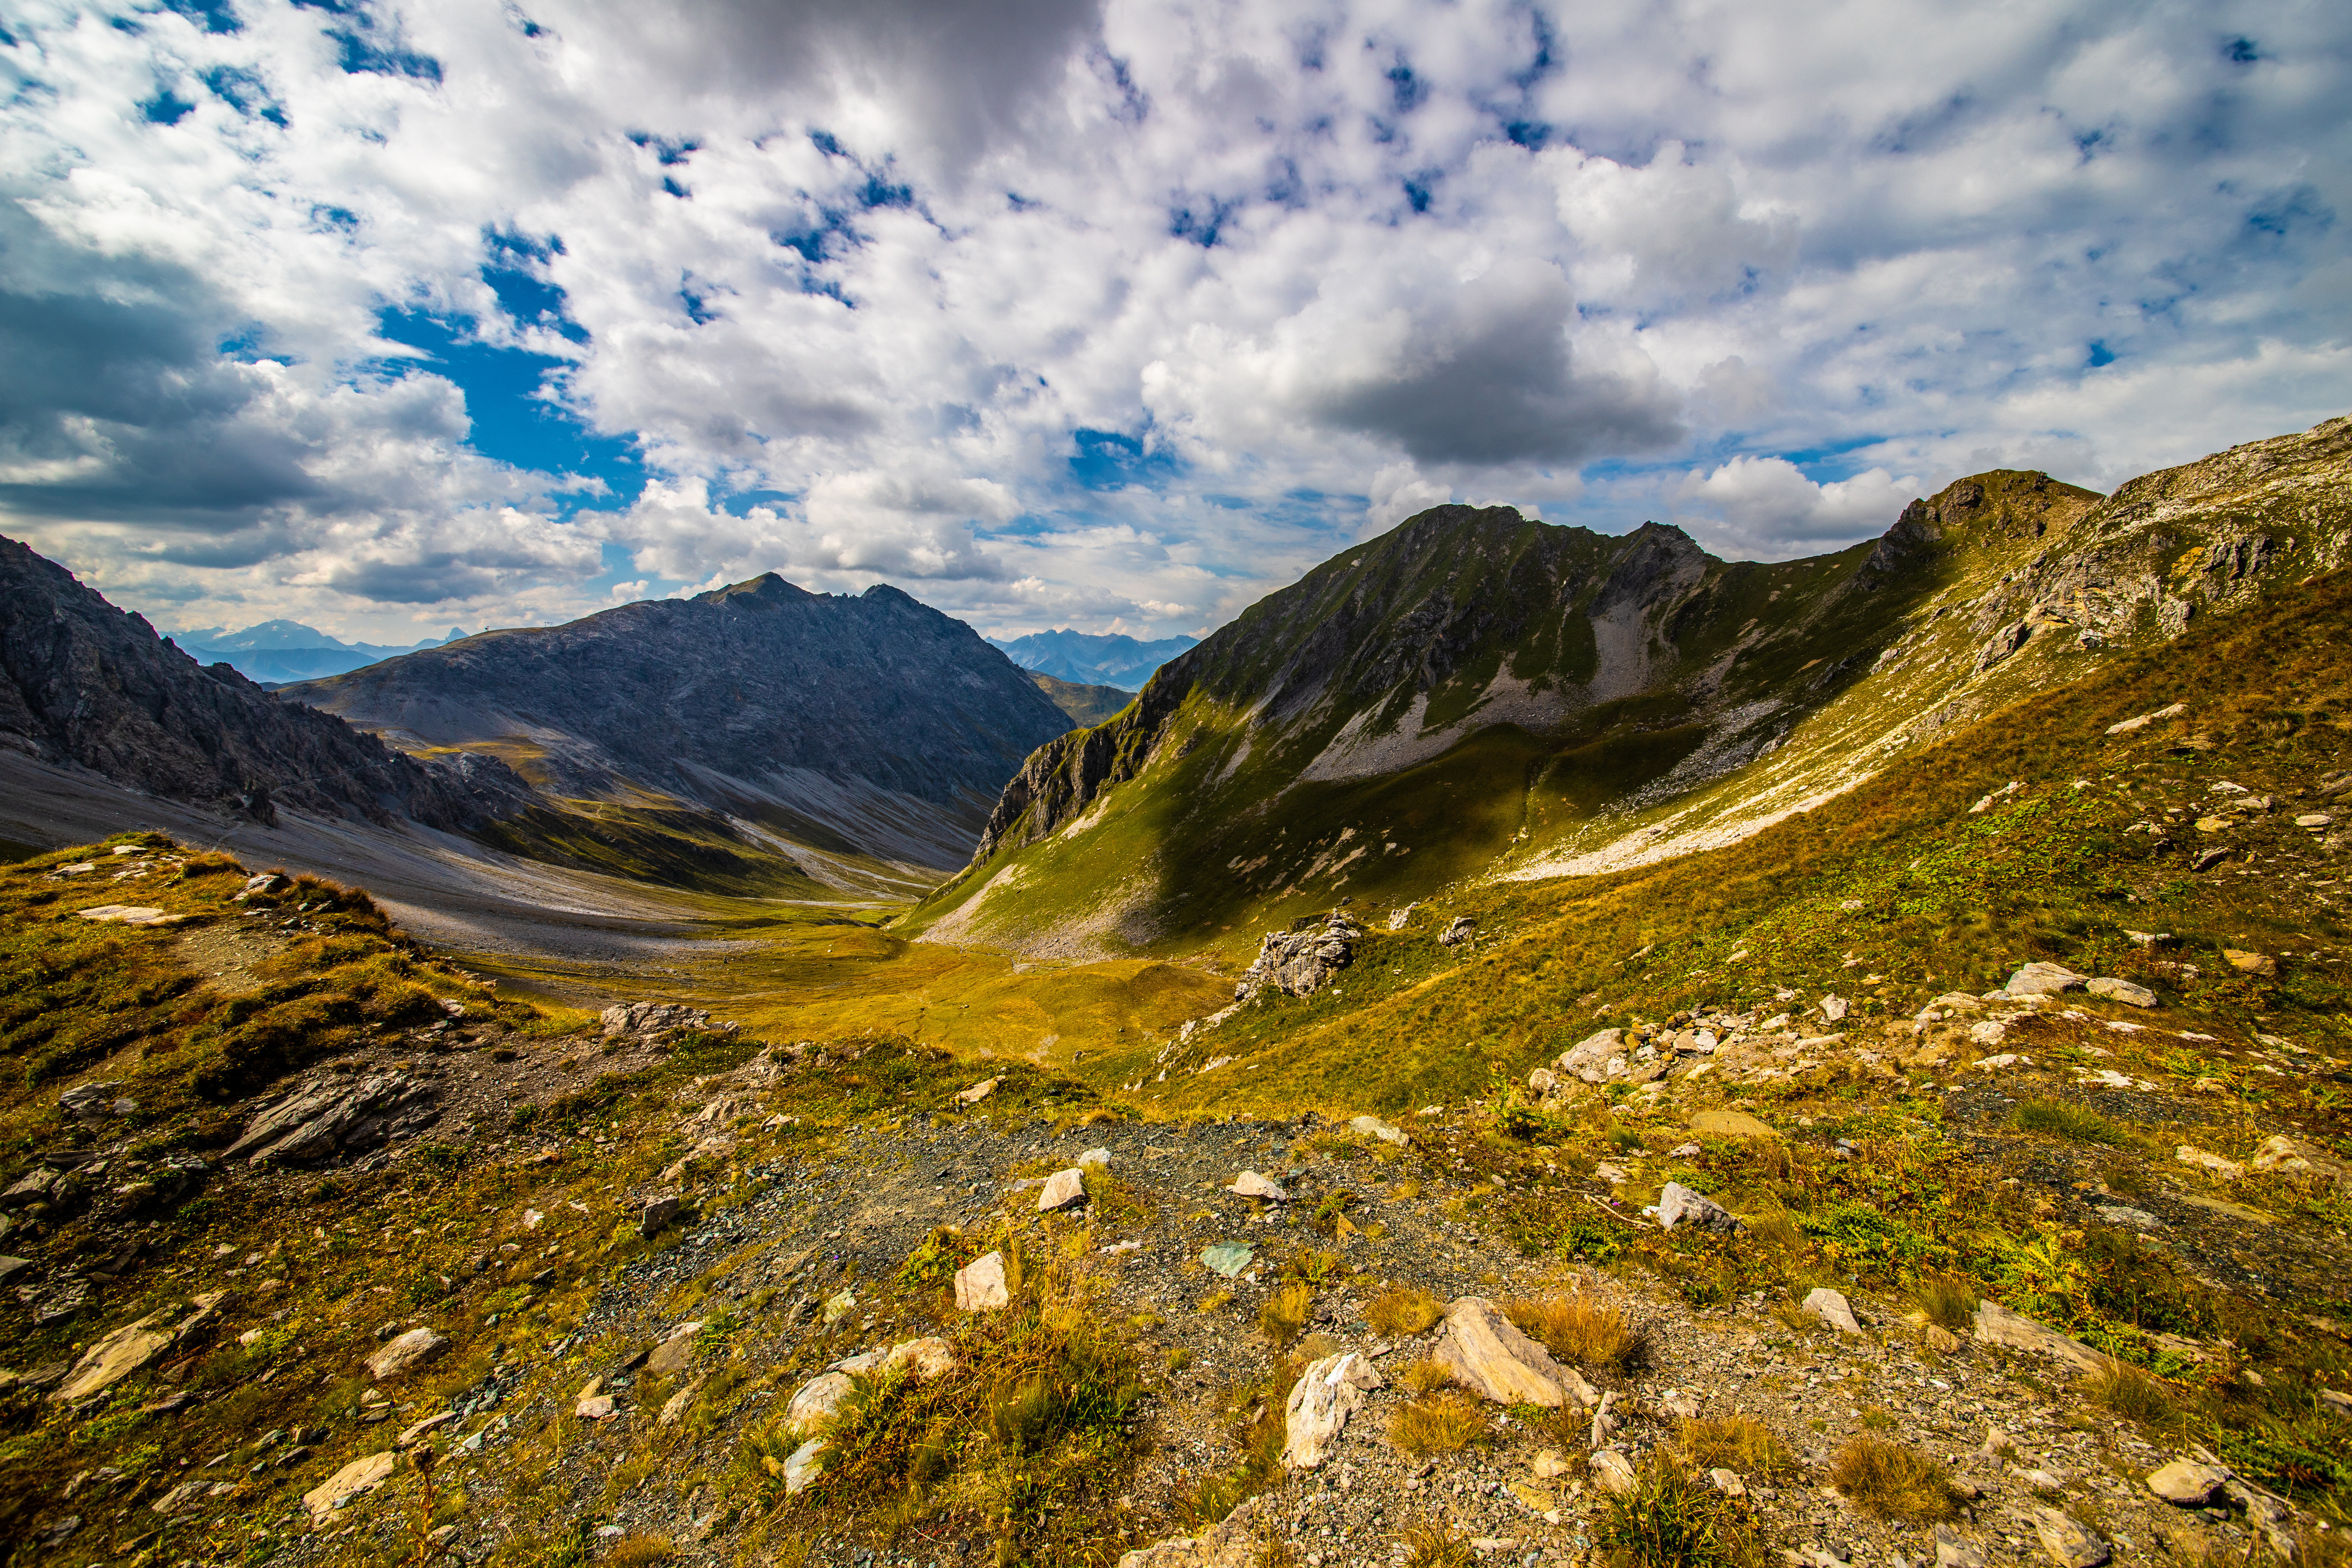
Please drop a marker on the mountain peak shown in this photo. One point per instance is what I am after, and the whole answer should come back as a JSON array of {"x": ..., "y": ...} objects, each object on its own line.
[{"x": 766, "y": 588}]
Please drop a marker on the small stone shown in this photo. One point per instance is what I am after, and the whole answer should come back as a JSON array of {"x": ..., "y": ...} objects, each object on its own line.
[
  {"x": 411, "y": 1350},
  {"x": 1834, "y": 1008},
  {"x": 1951, "y": 1552},
  {"x": 1094, "y": 1160},
  {"x": 180, "y": 1497},
  {"x": 1326, "y": 1395},
  {"x": 1543, "y": 1081},
  {"x": 2069, "y": 1543},
  {"x": 978, "y": 1091},
  {"x": 839, "y": 1305},
  {"x": 2246, "y": 963},
  {"x": 2206, "y": 1160},
  {"x": 1228, "y": 1257},
  {"x": 2209, "y": 858},
  {"x": 1062, "y": 1189},
  {"x": 1941, "y": 1340},
  {"x": 2122, "y": 991},
  {"x": 1463, "y": 929},
  {"x": 674, "y": 1409},
  {"x": 804, "y": 1464},
  {"x": 1550, "y": 1464},
  {"x": 1250, "y": 1184},
  {"x": 2042, "y": 979},
  {"x": 1832, "y": 1307},
  {"x": 2314, "y": 819},
  {"x": 675, "y": 1351},
  {"x": 1679, "y": 1403},
  {"x": 1613, "y": 1472},
  {"x": 358, "y": 1477},
  {"x": 658, "y": 1214},
  {"x": 1728, "y": 1482},
  {"x": 1373, "y": 1127},
  {"x": 980, "y": 1285},
  {"x": 593, "y": 1407},
  {"x": 1677, "y": 1205},
  {"x": 2187, "y": 1483}
]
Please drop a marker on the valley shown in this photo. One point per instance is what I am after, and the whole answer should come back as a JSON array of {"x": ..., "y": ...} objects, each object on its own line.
[{"x": 1842, "y": 1061}]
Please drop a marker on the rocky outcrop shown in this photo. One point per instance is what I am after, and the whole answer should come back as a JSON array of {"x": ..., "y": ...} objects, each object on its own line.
[
  {"x": 82, "y": 683},
  {"x": 866, "y": 722},
  {"x": 656, "y": 1019},
  {"x": 331, "y": 1118},
  {"x": 1299, "y": 962}
]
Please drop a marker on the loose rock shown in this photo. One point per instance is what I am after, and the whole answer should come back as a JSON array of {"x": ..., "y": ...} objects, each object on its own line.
[
  {"x": 1062, "y": 1189},
  {"x": 410, "y": 1351},
  {"x": 2069, "y": 1542},
  {"x": 2122, "y": 991},
  {"x": 1832, "y": 1307},
  {"x": 980, "y": 1285},
  {"x": 332, "y": 1118},
  {"x": 2041, "y": 979},
  {"x": 358, "y": 1477},
  {"x": 1677, "y": 1205},
  {"x": 1489, "y": 1355},
  {"x": 1250, "y": 1184},
  {"x": 1326, "y": 1395},
  {"x": 2187, "y": 1483}
]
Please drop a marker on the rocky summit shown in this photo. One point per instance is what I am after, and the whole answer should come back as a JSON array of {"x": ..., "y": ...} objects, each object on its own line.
[{"x": 1528, "y": 1047}]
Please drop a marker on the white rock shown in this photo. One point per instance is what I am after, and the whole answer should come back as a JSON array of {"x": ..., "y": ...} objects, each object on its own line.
[
  {"x": 816, "y": 1402},
  {"x": 930, "y": 1356},
  {"x": 2069, "y": 1543},
  {"x": 1373, "y": 1127},
  {"x": 804, "y": 1464},
  {"x": 1677, "y": 1205},
  {"x": 358, "y": 1477},
  {"x": 115, "y": 1357},
  {"x": 2187, "y": 1483},
  {"x": 1997, "y": 1325},
  {"x": 1094, "y": 1160},
  {"x": 980, "y": 1285},
  {"x": 2206, "y": 1160},
  {"x": 1727, "y": 1482},
  {"x": 1588, "y": 1059},
  {"x": 1250, "y": 1184},
  {"x": 1832, "y": 1307},
  {"x": 2043, "y": 979},
  {"x": 1543, "y": 1081},
  {"x": 593, "y": 1407},
  {"x": 1833, "y": 1007},
  {"x": 1320, "y": 1402},
  {"x": 1489, "y": 1355},
  {"x": 1062, "y": 1189},
  {"x": 978, "y": 1091},
  {"x": 2122, "y": 991},
  {"x": 410, "y": 1351},
  {"x": 1679, "y": 1403},
  {"x": 1613, "y": 1472},
  {"x": 1987, "y": 1031},
  {"x": 2299, "y": 1157}
]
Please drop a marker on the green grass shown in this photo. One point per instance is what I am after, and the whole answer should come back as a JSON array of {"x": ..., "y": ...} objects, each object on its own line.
[
  {"x": 1673, "y": 1519},
  {"x": 2074, "y": 1124}
]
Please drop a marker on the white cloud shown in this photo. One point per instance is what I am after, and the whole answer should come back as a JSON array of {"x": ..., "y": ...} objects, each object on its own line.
[{"x": 851, "y": 278}]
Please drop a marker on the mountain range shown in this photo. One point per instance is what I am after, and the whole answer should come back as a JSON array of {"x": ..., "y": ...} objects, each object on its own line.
[
  {"x": 276, "y": 652},
  {"x": 831, "y": 729},
  {"x": 1093, "y": 658},
  {"x": 1476, "y": 694}
]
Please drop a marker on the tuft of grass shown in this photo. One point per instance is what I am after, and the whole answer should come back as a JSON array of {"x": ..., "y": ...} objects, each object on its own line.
[
  {"x": 1581, "y": 1330},
  {"x": 1887, "y": 1481},
  {"x": 1949, "y": 1303},
  {"x": 639, "y": 1551},
  {"x": 1285, "y": 1314},
  {"x": 1426, "y": 1376},
  {"x": 1414, "y": 1310},
  {"x": 2132, "y": 1394},
  {"x": 1437, "y": 1423},
  {"x": 1429, "y": 1545},
  {"x": 1673, "y": 1519},
  {"x": 1216, "y": 1300},
  {"x": 1739, "y": 1443},
  {"x": 1877, "y": 1420},
  {"x": 2074, "y": 1124}
]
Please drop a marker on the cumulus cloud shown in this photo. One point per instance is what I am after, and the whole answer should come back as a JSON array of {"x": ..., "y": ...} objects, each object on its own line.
[{"x": 1096, "y": 311}]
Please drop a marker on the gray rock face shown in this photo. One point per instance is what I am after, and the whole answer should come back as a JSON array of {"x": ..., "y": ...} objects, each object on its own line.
[
  {"x": 656, "y": 1018},
  {"x": 330, "y": 1118},
  {"x": 867, "y": 722},
  {"x": 2038, "y": 979},
  {"x": 82, "y": 682},
  {"x": 1298, "y": 963}
]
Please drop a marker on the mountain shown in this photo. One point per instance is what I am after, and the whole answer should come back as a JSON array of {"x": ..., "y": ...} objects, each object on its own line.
[
  {"x": 280, "y": 651},
  {"x": 1092, "y": 658},
  {"x": 1084, "y": 705},
  {"x": 83, "y": 683},
  {"x": 1477, "y": 694},
  {"x": 866, "y": 728}
]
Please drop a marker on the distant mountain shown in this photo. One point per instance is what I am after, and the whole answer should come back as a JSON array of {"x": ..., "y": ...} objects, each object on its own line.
[
  {"x": 1086, "y": 705},
  {"x": 1093, "y": 658},
  {"x": 280, "y": 651},
  {"x": 862, "y": 726},
  {"x": 85, "y": 684},
  {"x": 1479, "y": 694}
]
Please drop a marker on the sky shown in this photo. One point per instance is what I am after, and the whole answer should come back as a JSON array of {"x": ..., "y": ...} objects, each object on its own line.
[{"x": 386, "y": 317}]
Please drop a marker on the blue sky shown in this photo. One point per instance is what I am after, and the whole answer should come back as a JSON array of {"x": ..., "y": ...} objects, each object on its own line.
[{"x": 381, "y": 316}]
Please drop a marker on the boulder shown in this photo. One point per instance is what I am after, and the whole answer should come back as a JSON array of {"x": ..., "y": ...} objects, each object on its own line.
[
  {"x": 980, "y": 1285},
  {"x": 1997, "y": 1325},
  {"x": 1232, "y": 1543},
  {"x": 1463, "y": 929},
  {"x": 332, "y": 1118},
  {"x": 2123, "y": 991},
  {"x": 2070, "y": 1543},
  {"x": 1832, "y": 1307},
  {"x": 2042, "y": 979},
  {"x": 1952, "y": 1551},
  {"x": 404, "y": 1354},
  {"x": 1487, "y": 1355},
  {"x": 1373, "y": 1127},
  {"x": 115, "y": 1357},
  {"x": 358, "y": 1476},
  {"x": 675, "y": 1353},
  {"x": 1677, "y": 1205},
  {"x": 1250, "y": 1184},
  {"x": 1062, "y": 1189},
  {"x": 2187, "y": 1483},
  {"x": 2257, "y": 963},
  {"x": 1590, "y": 1057},
  {"x": 1326, "y": 1395},
  {"x": 816, "y": 1402},
  {"x": 1299, "y": 962}
]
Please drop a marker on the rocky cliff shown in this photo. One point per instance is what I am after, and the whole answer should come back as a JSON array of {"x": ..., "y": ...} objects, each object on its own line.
[
  {"x": 864, "y": 725},
  {"x": 82, "y": 682}
]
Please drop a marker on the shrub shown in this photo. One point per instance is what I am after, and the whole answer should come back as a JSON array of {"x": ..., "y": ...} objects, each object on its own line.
[
  {"x": 1437, "y": 1424},
  {"x": 1579, "y": 1328},
  {"x": 1408, "y": 1312},
  {"x": 1673, "y": 1519},
  {"x": 1739, "y": 1443},
  {"x": 1887, "y": 1481}
]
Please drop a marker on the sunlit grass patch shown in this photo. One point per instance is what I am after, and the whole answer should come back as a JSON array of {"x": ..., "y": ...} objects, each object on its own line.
[
  {"x": 1673, "y": 1519},
  {"x": 1578, "y": 1329},
  {"x": 1437, "y": 1423},
  {"x": 1739, "y": 1443},
  {"x": 1887, "y": 1481},
  {"x": 1411, "y": 1311}
]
